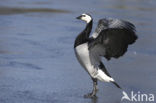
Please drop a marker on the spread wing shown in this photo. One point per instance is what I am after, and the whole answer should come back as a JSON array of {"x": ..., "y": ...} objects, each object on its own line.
[{"x": 111, "y": 38}]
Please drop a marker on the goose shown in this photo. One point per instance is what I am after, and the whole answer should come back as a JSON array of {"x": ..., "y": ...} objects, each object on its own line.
[{"x": 110, "y": 40}]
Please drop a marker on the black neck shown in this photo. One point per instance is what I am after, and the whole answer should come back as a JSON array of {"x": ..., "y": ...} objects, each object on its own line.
[{"x": 83, "y": 37}]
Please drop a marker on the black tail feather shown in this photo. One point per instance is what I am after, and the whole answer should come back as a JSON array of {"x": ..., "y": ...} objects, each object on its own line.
[{"x": 116, "y": 85}]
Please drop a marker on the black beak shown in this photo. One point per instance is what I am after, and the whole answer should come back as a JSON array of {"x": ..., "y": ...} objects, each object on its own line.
[{"x": 79, "y": 17}]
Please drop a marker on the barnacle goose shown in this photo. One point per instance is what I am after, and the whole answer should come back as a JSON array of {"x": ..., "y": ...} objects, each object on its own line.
[{"x": 110, "y": 39}]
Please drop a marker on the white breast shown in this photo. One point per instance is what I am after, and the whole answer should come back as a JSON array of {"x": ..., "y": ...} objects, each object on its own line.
[{"x": 82, "y": 54}]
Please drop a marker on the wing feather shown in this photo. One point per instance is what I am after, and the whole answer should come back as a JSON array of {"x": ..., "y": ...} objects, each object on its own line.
[{"x": 112, "y": 36}]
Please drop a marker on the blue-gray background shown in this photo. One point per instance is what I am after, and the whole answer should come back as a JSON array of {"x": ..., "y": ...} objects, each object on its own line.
[{"x": 37, "y": 61}]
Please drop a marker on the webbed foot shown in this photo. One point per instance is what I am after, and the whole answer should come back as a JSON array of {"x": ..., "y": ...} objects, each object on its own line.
[{"x": 90, "y": 95}]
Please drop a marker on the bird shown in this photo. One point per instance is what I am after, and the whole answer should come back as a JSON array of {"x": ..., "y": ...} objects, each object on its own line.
[{"x": 110, "y": 39}]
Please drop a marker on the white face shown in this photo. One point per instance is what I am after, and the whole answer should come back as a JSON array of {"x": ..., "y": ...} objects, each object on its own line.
[{"x": 86, "y": 18}]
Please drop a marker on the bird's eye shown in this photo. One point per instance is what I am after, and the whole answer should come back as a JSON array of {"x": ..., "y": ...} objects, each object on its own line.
[{"x": 83, "y": 15}]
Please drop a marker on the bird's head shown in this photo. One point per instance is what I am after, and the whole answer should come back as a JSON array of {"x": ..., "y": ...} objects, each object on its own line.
[{"x": 85, "y": 17}]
